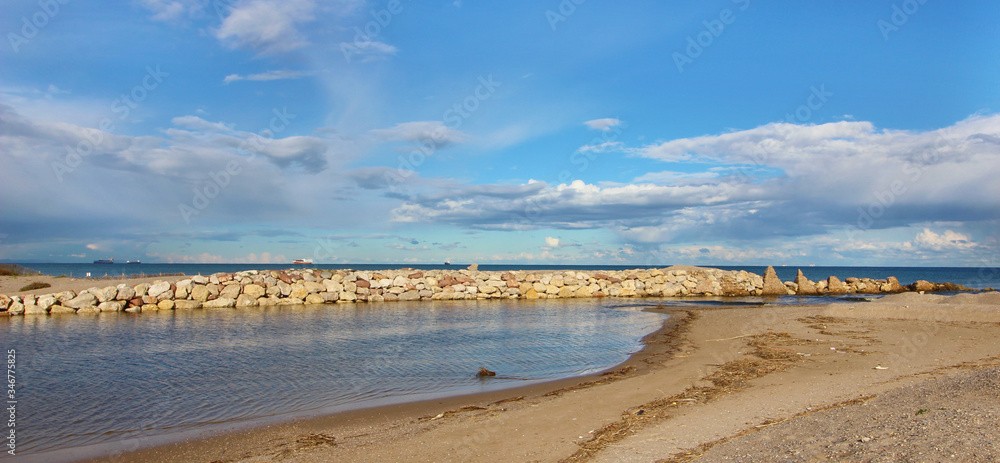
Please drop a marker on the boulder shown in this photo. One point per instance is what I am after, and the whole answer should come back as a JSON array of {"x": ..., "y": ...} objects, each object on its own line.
[
  {"x": 922, "y": 285},
  {"x": 892, "y": 285},
  {"x": 166, "y": 304},
  {"x": 299, "y": 291},
  {"x": 46, "y": 301},
  {"x": 805, "y": 287},
  {"x": 108, "y": 293},
  {"x": 4, "y": 302},
  {"x": 199, "y": 293},
  {"x": 473, "y": 268},
  {"x": 411, "y": 295},
  {"x": 231, "y": 291},
  {"x": 81, "y": 301},
  {"x": 111, "y": 306},
  {"x": 220, "y": 303},
  {"x": 835, "y": 286},
  {"x": 185, "y": 304},
  {"x": 32, "y": 309},
  {"x": 15, "y": 308},
  {"x": 141, "y": 289},
  {"x": 772, "y": 284},
  {"x": 254, "y": 290},
  {"x": 63, "y": 309},
  {"x": 158, "y": 288},
  {"x": 315, "y": 299},
  {"x": 199, "y": 280},
  {"x": 313, "y": 287},
  {"x": 125, "y": 292},
  {"x": 246, "y": 300}
]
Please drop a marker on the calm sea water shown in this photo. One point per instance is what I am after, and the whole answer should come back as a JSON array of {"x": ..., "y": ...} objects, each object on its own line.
[
  {"x": 972, "y": 277},
  {"x": 116, "y": 381}
]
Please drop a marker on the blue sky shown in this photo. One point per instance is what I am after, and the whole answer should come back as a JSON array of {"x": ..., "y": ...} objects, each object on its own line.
[{"x": 555, "y": 132}]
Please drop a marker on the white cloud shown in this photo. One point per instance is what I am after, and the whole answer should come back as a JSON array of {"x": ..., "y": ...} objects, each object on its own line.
[
  {"x": 601, "y": 147},
  {"x": 947, "y": 241},
  {"x": 603, "y": 125},
  {"x": 172, "y": 10},
  {"x": 269, "y": 75},
  {"x": 551, "y": 242},
  {"x": 845, "y": 179},
  {"x": 434, "y": 134},
  {"x": 268, "y": 26},
  {"x": 369, "y": 50}
]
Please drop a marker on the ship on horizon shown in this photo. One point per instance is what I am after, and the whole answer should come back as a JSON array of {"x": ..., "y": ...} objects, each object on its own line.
[
  {"x": 302, "y": 261},
  {"x": 105, "y": 261}
]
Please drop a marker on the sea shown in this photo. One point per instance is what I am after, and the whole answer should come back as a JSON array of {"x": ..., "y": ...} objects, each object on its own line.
[{"x": 97, "y": 385}]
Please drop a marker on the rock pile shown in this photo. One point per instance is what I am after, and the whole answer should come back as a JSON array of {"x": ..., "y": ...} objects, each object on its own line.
[{"x": 305, "y": 286}]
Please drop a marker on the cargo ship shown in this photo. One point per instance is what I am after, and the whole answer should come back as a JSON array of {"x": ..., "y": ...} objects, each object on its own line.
[
  {"x": 302, "y": 261},
  {"x": 104, "y": 261}
]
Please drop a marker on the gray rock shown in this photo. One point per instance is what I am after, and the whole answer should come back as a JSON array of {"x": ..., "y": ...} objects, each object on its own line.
[
  {"x": 46, "y": 301},
  {"x": 158, "y": 288},
  {"x": 110, "y": 306},
  {"x": 107, "y": 293},
  {"x": 200, "y": 280},
  {"x": 231, "y": 291},
  {"x": 125, "y": 292},
  {"x": 81, "y": 301}
]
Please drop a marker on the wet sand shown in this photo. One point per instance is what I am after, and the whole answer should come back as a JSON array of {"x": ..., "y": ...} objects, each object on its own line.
[{"x": 708, "y": 383}]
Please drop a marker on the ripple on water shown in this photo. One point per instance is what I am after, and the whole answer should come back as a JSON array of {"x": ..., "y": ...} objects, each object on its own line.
[{"x": 109, "y": 377}]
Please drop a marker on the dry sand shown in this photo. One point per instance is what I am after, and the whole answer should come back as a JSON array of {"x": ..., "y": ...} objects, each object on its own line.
[{"x": 822, "y": 383}]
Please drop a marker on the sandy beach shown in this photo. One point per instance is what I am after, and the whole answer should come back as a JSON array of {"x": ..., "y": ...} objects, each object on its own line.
[
  {"x": 11, "y": 285},
  {"x": 907, "y": 378}
]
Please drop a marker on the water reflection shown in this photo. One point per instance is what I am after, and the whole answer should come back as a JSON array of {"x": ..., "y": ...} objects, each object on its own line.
[{"x": 103, "y": 377}]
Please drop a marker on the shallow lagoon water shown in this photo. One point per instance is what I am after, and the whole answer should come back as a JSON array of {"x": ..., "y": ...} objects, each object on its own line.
[{"x": 105, "y": 378}]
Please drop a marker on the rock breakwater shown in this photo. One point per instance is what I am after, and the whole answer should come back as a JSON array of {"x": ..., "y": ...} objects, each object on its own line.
[{"x": 310, "y": 286}]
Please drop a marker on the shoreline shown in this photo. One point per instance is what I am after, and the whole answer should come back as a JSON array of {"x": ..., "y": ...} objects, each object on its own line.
[
  {"x": 680, "y": 382},
  {"x": 657, "y": 346}
]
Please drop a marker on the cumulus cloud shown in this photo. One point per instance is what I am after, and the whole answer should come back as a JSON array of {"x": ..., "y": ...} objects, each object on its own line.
[
  {"x": 269, "y": 75},
  {"x": 949, "y": 240},
  {"x": 603, "y": 125},
  {"x": 777, "y": 180},
  {"x": 551, "y": 242}
]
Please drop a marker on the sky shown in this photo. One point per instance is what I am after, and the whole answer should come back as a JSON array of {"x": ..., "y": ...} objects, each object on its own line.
[{"x": 647, "y": 133}]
